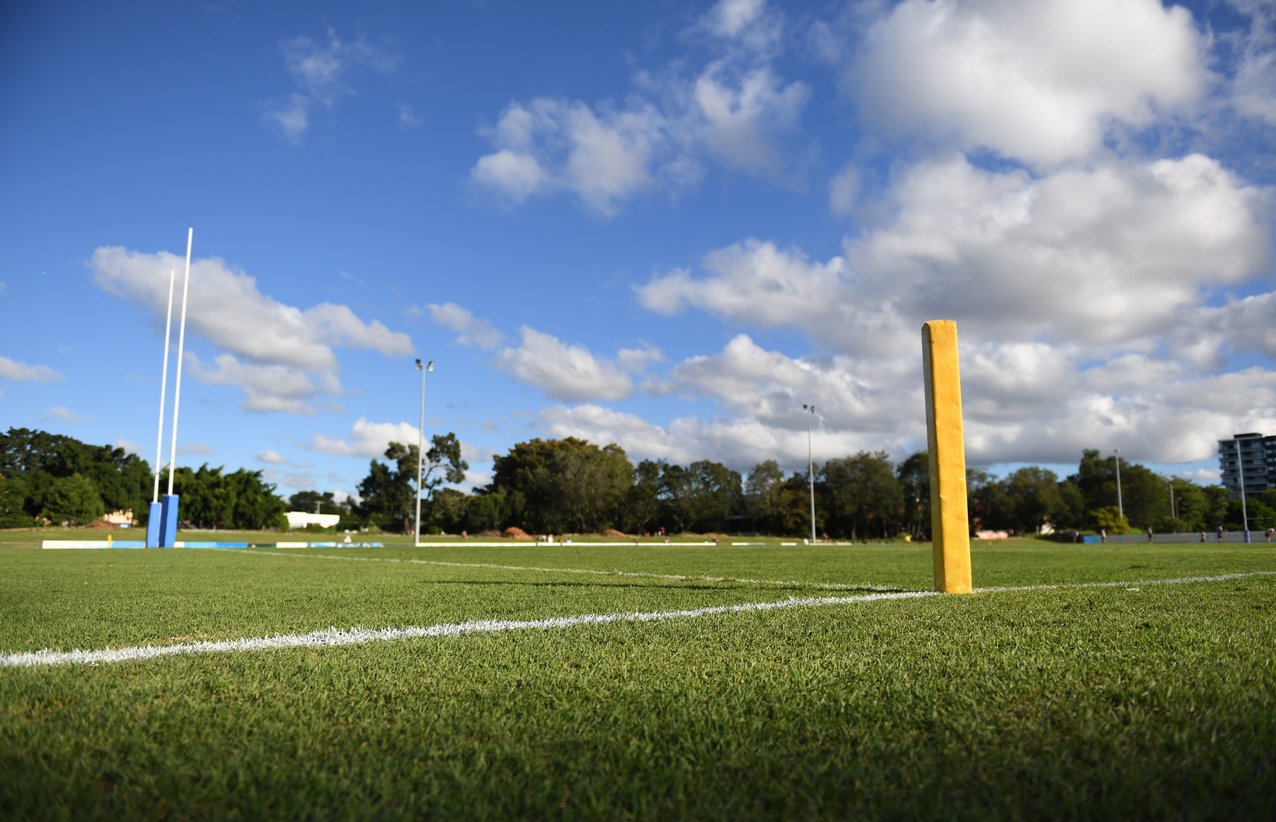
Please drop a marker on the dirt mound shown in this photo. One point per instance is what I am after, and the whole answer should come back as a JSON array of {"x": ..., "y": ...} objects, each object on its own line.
[
  {"x": 516, "y": 533},
  {"x": 612, "y": 532},
  {"x": 101, "y": 525}
]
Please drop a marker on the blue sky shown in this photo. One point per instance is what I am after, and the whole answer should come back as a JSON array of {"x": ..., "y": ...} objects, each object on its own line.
[{"x": 663, "y": 224}]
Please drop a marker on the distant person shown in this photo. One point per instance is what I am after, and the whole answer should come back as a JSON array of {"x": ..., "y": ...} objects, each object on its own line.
[
  {"x": 1103, "y": 535},
  {"x": 1202, "y": 536},
  {"x": 1149, "y": 533},
  {"x": 464, "y": 535},
  {"x": 1220, "y": 533},
  {"x": 1271, "y": 532}
]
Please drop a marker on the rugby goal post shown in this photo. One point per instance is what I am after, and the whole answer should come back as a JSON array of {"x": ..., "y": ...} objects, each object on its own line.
[{"x": 950, "y": 523}]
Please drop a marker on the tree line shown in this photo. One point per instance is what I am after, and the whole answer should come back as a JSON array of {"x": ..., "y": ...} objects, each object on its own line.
[
  {"x": 51, "y": 478},
  {"x": 572, "y": 486}
]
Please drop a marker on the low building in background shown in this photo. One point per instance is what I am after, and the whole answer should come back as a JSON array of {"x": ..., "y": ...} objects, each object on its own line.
[
  {"x": 1250, "y": 458},
  {"x": 300, "y": 519}
]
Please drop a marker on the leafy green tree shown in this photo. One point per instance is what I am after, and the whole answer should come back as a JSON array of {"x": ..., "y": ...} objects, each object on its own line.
[
  {"x": 914, "y": 485},
  {"x": 643, "y": 499},
  {"x": 486, "y": 512},
  {"x": 388, "y": 493},
  {"x": 122, "y": 480},
  {"x": 764, "y": 497},
  {"x": 449, "y": 510},
  {"x": 701, "y": 496},
  {"x": 1111, "y": 520},
  {"x": 313, "y": 502},
  {"x": 1034, "y": 498},
  {"x": 240, "y": 500},
  {"x": 566, "y": 485},
  {"x": 864, "y": 496},
  {"x": 73, "y": 500},
  {"x": 13, "y": 494}
]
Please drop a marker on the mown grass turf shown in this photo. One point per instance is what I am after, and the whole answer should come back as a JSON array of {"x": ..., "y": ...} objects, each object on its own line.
[{"x": 1068, "y": 703}]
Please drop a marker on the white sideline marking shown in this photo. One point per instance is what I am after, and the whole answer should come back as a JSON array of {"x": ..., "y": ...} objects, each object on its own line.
[
  {"x": 831, "y": 586},
  {"x": 357, "y": 636}
]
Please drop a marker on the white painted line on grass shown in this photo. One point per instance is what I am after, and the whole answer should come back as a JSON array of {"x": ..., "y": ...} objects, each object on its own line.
[
  {"x": 334, "y": 637},
  {"x": 829, "y": 586},
  {"x": 358, "y": 636}
]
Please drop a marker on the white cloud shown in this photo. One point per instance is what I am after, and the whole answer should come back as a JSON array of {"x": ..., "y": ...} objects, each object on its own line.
[
  {"x": 408, "y": 117},
  {"x": 291, "y": 119},
  {"x": 561, "y": 371},
  {"x": 1082, "y": 298},
  {"x": 64, "y": 415},
  {"x": 473, "y": 331},
  {"x": 280, "y": 355},
  {"x": 128, "y": 446},
  {"x": 320, "y": 70},
  {"x": 638, "y": 360},
  {"x": 1107, "y": 255},
  {"x": 1042, "y": 82},
  {"x": 734, "y": 110},
  {"x": 195, "y": 448},
  {"x": 367, "y": 439},
  {"x": 272, "y": 457},
  {"x": 266, "y": 387},
  {"x": 21, "y": 372},
  {"x": 1253, "y": 88}
]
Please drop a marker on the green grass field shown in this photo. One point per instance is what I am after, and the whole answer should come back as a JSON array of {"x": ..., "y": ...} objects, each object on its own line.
[{"x": 1141, "y": 700}]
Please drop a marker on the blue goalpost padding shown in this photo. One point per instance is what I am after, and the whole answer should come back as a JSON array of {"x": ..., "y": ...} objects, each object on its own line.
[
  {"x": 153, "y": 525},
  {"x": 168, "y": 521}
]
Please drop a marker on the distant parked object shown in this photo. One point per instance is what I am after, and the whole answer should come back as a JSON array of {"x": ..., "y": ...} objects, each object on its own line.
[
  {"x": 300, "y": 519},
  {"x": 992, "y": 535}
]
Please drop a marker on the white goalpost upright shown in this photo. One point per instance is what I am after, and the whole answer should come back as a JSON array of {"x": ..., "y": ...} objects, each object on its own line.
[
  {"x": 153, "y": 521},
  {"x": 168, "y": 508}
]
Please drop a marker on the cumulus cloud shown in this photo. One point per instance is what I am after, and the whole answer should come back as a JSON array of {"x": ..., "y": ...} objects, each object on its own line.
[
  {"x": 735, "y": 110},
  {"x": 280, "y": 355},
  {"x": 367, "y": 439},
  {"x": 272, "y": 457},
  {"x": 561, "y": 371},
  {"x": 1108, "y": 255},
  {"x": 62, "y": 414},
  {"x": 21, "y": 372},
  {"x": 1253, "y": 87},
  {"x": 638, "y": 360},
  {"x": 195, "y": 448},
  {"x": 1042, "y": 82},
  {"x": 129, "y": 446},
  {"x": 472, "y": 330},
  {"x": 1085, "y": 299},
  {"x": 321, "y": 71}
]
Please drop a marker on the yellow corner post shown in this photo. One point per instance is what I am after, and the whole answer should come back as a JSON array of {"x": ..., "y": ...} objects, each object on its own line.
[{"x": 949, "y": 522}]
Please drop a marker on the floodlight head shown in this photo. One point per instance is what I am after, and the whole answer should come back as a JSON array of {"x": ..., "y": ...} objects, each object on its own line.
[
  {"x": 429, "y": 367},
  {"x": 418, "y": 365}
]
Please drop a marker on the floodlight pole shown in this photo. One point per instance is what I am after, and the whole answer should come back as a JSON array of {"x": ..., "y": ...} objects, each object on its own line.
[
  {"x": 1173, "y": 513},
  {"x": 810, "y": 465},
  {"x": 1240, "y": 469},
  {"x": 420, "y": 445},
  {"x": 1120, "y": 506}
]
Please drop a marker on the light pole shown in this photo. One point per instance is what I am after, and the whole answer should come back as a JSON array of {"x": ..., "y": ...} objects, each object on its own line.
[
  {"x": 1240, "y": 472},
  {"x": 1120, "y": 507},
  {"x": 810, "y": 465},
  {"x": 420, "y": 445}
]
